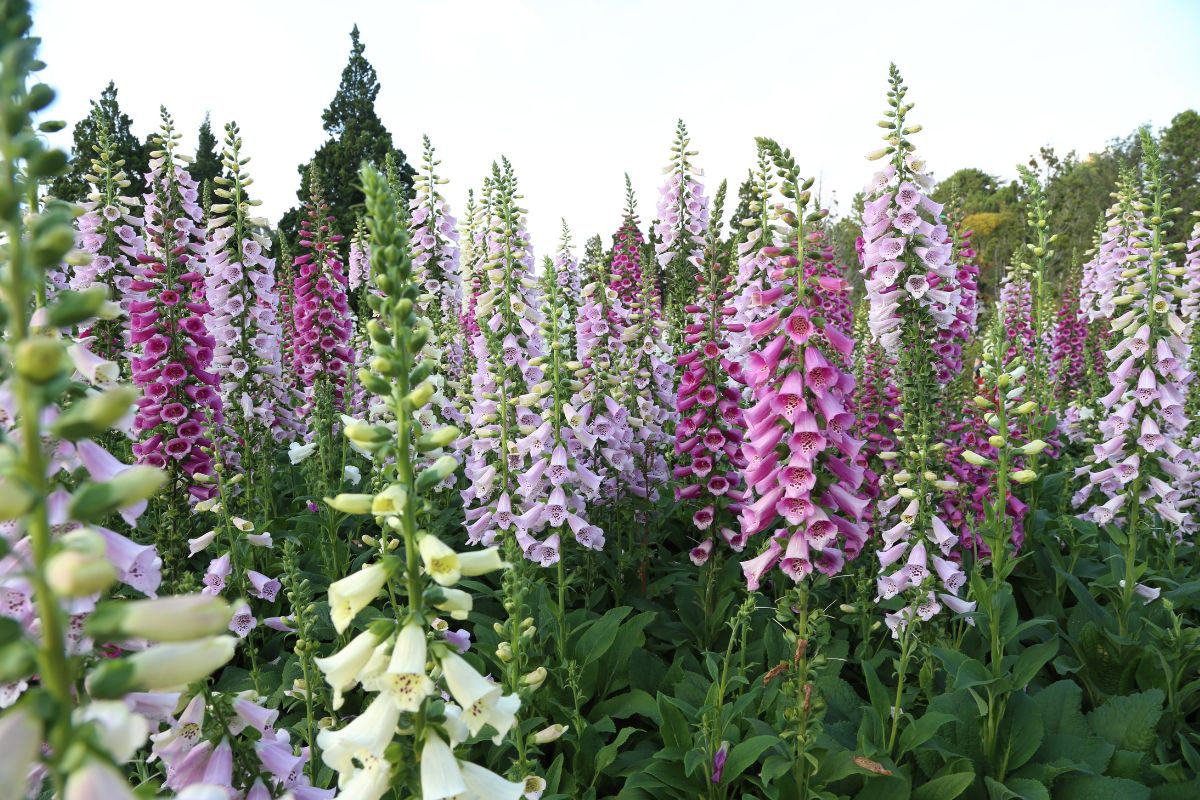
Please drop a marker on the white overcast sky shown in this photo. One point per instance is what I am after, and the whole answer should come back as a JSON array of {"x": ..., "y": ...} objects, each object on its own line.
[{"x": 578, "y": 92}]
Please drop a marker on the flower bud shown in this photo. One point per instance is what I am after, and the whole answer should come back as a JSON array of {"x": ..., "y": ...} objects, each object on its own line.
[
  {"x": 71, "y": 308},
  {"x": 504, "y": 652},
  {"x": 15, "y": 499},
  {"x": 94, "y": 501},
  {"x": 76, "y": 573},
  {"x": 162, "y": 667},
  {"x": 1024, "y": 476},
  {"x": 181, "y": 618},
  {"x": 549, "y": 734},
  {"x": 996, "y": 440},
  {"x": 436, "y": 473},
  {"x": 39, "y": 360},
  {"x": 351, "y": 503},
  {"x": 971, "y": 457},
  {"x": 535, "y": 679},
  {"x": 419, "y": 396},
  {"x": 1033, "y": 448},
  {"x": 439, "y": 438}
]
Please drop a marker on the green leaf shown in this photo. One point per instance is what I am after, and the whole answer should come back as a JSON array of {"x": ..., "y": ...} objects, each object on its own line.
[
  {"x": 623, "y": 706},
  {"x": 1016, "y": 789},
  {"x": 1129, "y": 721},
  {"x": 947, "y": 787},
  {"x": 1098, "y": 787},
  {"x": 1021, "y": 730},
  {"x": 744, "y": 754},
  {"x": 1061, "y": 752},
  {"x": 1059, "y": 705},
  {"x": 880, "y": 699},
  {"x": 1176, "y": 791},
  {"x": 885, "y": 787},
  {"x": 964, "y": 670},
  {"x": 608, "y": 753},
  {"x": 922, "y": 730},
  {"x": 600, "y": 635},
  {"x": 675, "y": 729},
  {"x": 1031, "y": 661}
]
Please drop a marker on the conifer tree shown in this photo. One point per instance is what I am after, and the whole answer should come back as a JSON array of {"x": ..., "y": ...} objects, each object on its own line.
[
  {"x": 207, "y": 165},
  {"x": 73, "y": 186},
  {"x": 356, "y": 134}
]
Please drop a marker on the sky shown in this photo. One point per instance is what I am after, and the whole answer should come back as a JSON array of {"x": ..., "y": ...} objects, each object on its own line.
[{"x": 576, "y": 93}]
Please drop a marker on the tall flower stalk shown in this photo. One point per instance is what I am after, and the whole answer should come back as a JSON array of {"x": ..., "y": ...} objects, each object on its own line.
[
  {"x": 406, "y": 699},
  {"x": 681, "y": 225},
  {"x": 709, "y": 433},
  {"x": 108, "y": 222},
  {"x": 1143, "y": 457},
  {"x": 173, "y": 349},
  {"x": 240, "y": 285},
  {"x": 801, "y": 481},
  {"x": 64, "y": 732},
  {"x": 914, "y": 302}
]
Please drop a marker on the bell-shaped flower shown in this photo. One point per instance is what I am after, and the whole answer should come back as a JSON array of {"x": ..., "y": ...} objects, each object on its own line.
[
  {"x": 405, "y": 680},
  {"x": 342, "y": 669},
  {"x": 441, "y": 776},
  {"x": 355, "y": 592},
  {"x": 367, "y": 735},
  {"x": 481, "y": 700},
  {"x": 483, "y": 784}
]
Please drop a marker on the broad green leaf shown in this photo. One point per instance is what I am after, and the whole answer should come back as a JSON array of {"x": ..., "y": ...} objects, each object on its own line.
[
  {"x": 600, "y": 635},
  {"x": 608, "y": 753},
  {"x": 947, "y": 787},
  {"x": 1059, "y": 705},
  {"x": 1129, "y": 721},
  {"x": 743, "y": 754},
  {"x": 922, "y": 730},
  {"x": 1016, "y": 789},
  {"x": 1021, "y": 730},
  {"x": 675, "y": 729},
  {"x": 1031, "y": 661},
  {"x": 625, "y": 705},
  {"x": 1097, "y": 787}
]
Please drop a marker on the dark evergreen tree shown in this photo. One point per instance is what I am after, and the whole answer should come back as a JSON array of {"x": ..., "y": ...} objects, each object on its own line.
[
  {"x": 207, "y": 165},
  {"x": 1181, "y": 161},
  {"x": 356, "y": 134},
  {"x": 126, "y": 146}
]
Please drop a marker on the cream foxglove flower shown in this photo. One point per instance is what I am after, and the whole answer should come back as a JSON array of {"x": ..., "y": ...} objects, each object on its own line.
[
  {"x": 298, "y": 452},
  {"x": 441, "y": 562},
  {"x": 368, "y": 734},
  {"x": 405, "y": 681},
  {"x": 481, "y": 700},
  {"x": 20, "y": 742},
  {"x": 483, "y": 784},
  {"x": 456, "y": 602},
  {"x": 370, "y": 782},
  {"x": 351, "y": 503},
  {"x": 447, "y": 567},
  {"x": 96, "y": 781},
  {"x": 534, "y": 787},
  {"x": 441, "y": 776},
  {"x": 551, "y": 733},
  {"x": 122, "y": 731},
  {"x": 353, "y": 593},
  {"x": 343, "y": 668}
]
